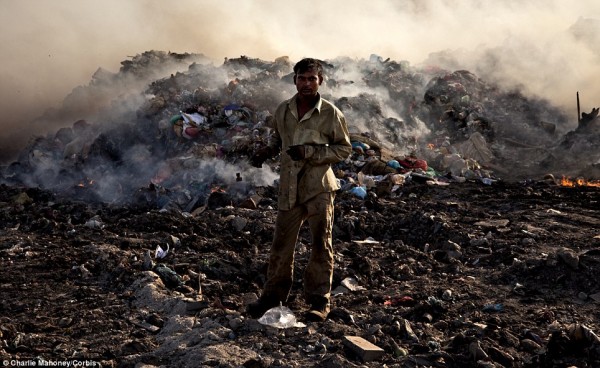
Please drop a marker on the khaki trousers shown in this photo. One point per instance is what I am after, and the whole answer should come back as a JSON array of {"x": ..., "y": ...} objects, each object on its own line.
[{"x": 318, "y": 212}]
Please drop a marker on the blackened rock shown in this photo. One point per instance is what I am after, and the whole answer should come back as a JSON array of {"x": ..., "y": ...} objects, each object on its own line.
[
  {"x": 218, "y": 199},
  {"x": 501, "y": 357},
  {"x": 168, "y": 276}
]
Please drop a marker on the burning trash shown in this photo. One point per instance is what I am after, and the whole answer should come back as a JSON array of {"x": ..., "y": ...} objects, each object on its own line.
[
  {"x": 137, "y": 234},
  {"x": 578, "y": 182},
  {"x": 223, "y": 113}
]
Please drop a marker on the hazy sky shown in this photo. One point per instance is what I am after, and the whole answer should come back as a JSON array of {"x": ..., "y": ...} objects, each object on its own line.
[{"x": 48, "y": 47}]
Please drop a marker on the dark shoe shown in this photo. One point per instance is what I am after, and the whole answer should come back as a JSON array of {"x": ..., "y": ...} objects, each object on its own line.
[
  {"x": 261, "y": 305},
  {"x": 318, "y": 312}
]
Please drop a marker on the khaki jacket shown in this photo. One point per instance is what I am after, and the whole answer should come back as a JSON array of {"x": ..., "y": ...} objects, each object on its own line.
[{"x": 324, "y": 131}]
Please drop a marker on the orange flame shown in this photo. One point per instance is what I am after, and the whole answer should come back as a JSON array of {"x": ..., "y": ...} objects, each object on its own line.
[
  {"x": 86, "y": 183},
  {"x": 578, "y": 182},
  {"x": 217, "y": 189}
]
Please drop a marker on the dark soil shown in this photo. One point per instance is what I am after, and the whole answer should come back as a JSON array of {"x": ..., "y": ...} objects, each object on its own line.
[{"x": 465, "y": 275}]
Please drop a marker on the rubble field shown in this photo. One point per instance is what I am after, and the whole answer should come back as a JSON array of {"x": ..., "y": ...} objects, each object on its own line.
[
  {"x": 462, "y": 276},
  {"x": 465, "y": 234}
]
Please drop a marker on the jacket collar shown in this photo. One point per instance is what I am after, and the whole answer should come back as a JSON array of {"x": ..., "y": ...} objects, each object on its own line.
[{"x": 293, "y": 102}]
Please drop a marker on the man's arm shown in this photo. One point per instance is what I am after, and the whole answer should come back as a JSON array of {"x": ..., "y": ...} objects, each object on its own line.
[{"x": 337, "y": 150}]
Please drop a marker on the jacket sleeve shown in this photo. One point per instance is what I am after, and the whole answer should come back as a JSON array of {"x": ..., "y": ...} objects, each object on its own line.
[
  {"x": 339, "y": 147},
  {"x": 275, "y": 142}
]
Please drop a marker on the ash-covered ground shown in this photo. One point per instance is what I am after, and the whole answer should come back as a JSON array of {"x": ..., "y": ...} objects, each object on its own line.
[
  {"x": 457, "y": 243},
  {"x": 462, "y": 276}
]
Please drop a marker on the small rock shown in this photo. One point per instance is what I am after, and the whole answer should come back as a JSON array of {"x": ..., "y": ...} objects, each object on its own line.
[
  {"x": 251, "y": 203},
  {"x": 441, "y": 325},
  {"x": 65, "y": 321},
  {"x": 485, "y": 364},
  {"x": 239, "y": 223},
  {"x": 408, "y": 331},
  {"x": 148, "y": 263},
  {"x": 173, "y": 241},
  {"x": 145, "y": 325},
  {"x": 493, "y": 223},
  {"x": 530, "y": 346},
  {"x": 95, "y": 223},
  {"x": 501, "y": 357},
  {"x": 509, "y": 339},
  {"x": 569, "y": 257},
  {"x": 477, "y": 352},
  {"x": 581, "y": 333},
  {"x": 533, "y": 336},
  {"x": 479, "y": 242},
  {"x": 236, "y": 323},
  {"x": 398, "y": 350},
  {"x": 374, "y": 330},
  {"x": 528, "y": 241},
  {"x": 351, "y": 284},
  {"x": 195, "y": 306},
  {"x": 21, "y": 198},
  {"x": 447, "y": 295},
  {"x": 451, "y": 246},
  {"x": 552, "y": 260}
]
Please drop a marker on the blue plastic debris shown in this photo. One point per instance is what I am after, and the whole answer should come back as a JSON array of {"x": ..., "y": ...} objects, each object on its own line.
[
  {"x": 360, "y": 192},
  {"x": 493, "y": 307},
  {"x": 394, "y": 164}
]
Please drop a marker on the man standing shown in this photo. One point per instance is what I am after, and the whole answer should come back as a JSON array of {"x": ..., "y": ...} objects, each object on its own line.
[{"x": 313, "y": 134}]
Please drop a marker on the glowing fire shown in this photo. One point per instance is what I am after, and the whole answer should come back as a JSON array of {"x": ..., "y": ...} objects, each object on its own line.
[
  {"x": 578, "y": 182},
  {"x": 217, "y": 189},
  {"x": 86, "y": 183},
  {"x": 431, "y": 146}
]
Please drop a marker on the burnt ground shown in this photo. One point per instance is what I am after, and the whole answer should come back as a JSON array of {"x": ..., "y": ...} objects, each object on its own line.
[{"x": 465, "y": 275}]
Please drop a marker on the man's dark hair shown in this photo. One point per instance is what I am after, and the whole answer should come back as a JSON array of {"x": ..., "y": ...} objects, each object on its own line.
[{"x": 308, "y": 64}]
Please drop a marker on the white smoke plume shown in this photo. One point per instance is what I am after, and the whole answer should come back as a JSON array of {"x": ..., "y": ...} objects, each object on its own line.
[{"x": 47, "y": 48}]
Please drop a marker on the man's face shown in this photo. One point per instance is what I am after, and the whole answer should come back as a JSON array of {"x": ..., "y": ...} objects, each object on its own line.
[{"x": 307, "y": 83}]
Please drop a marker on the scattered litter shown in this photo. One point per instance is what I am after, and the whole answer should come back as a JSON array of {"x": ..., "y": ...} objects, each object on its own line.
[
  {"x": 168, "y": 276},
  {"x": 198, "y": 177},
  {"x": 360, "y": 192},
  {"x": 160, "y": 252},
  {"x": 280, "y": 317},
  {"x": 95, "y": 223},
  {"x": 351, "y": 284},
  {"x": 493, "y": 307},
  {"x": 403, "y": 300},
  {"x": 368, "y": 240}
]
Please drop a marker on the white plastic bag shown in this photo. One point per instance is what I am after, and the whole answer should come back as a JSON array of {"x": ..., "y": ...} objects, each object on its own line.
[
  {"x": 160, "y": 252},
  {"x": 280, "y": 317}
]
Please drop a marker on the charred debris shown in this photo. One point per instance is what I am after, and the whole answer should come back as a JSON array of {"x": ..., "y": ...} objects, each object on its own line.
[
  {"x": 135, "y": 234},
  {"x": 407, "y": 123}
]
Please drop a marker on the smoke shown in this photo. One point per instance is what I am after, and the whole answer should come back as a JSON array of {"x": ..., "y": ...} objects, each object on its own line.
[{"x": 544, "y": 48}]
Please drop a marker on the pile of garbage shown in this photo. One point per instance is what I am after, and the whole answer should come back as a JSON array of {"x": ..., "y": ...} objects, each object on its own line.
[
  {"x": 144, "y": 215},
  {"x": 189, "y": 133}
]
